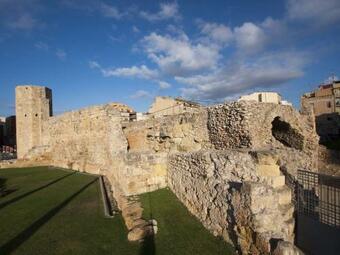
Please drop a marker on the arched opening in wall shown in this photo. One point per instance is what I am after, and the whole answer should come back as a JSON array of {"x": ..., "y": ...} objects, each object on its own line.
[{"x": 285, "y": 134}]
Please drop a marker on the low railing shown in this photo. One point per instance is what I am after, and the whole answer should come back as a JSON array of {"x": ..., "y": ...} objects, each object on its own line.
[
  {"x": 319, "y": 197},
  {"x": 7, "y": 152},
  {"x": 8, "y": 149}
]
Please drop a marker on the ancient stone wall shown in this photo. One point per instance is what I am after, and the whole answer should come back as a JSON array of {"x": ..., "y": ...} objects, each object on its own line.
[
  {"x": 224, "y": 162},
  {"x": 203, "y": 181},
  {"x": 227, "y": 126},
  {"x": 250, "y": 125},
  {"x": 263, "y": 126},
  {"x": 33, "y": 107},
  {"x": 183, "y": 132},
  {"x": 92, "y": 140},
  {"x": 138, "y": 173},
  {"x": 85, "y": 140},
  {"x": 239, "y": 195},
  {"x": 164, "y": 106},
  {"x": 329, "y": 161},
  {"x": 144, "y": 167}
]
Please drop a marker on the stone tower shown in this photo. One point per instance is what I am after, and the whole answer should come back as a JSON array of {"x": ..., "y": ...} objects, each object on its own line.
[{"x": 33, "y": 107}]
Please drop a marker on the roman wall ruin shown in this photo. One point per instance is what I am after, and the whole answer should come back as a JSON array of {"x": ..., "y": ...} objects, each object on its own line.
[
  {"x": 239, "y": 195},
  {"x": 229, "y": 164},
  {"x": 33, "y": 107}
]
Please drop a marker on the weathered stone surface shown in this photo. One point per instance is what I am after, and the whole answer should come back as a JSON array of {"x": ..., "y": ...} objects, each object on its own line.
[
  {"x": 138, "y": 173},
  {"x": 138, "y": 233},
  {"x": 228, "y": 194},
  {"x": 33, "y": 108},
  {"x": 329, "y": 161},
  {"x": 251, "y": 125},
  {"x": 183, "y": 132},
  {"x": 268, "y": 170}
]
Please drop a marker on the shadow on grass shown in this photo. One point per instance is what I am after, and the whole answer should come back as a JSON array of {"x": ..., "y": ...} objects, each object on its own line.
[
  {"x": 13, "y": 200},
  {"x": 3, "y": 189},
  {"x": 13, "y": 244},
  {"x": 148, "y": 246}
]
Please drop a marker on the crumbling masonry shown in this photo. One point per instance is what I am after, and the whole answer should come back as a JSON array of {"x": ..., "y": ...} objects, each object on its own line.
[{"x": 231, "y": 165}]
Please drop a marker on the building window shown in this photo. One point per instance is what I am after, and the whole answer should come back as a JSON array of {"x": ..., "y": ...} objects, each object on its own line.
[
  {"x": 260, "y": 97},
  {"x": 329, "y": 104},
  {"x": 337, "y": 102}
]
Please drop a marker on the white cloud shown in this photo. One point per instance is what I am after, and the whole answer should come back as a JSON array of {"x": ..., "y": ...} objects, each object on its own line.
[
  {"x": 179, "y": 56},
  {"x": 142, "y": 72},
  {"x": 322, "y": 12},
  {"x": 135, "y": 29},
  {"x": 94, "y": 65},
  {"x": 249, "y": 37},
  {"x": 42, "y": 46},
  {"x": 266, "y": 71},
  {"x": 257, "y": 56},
  {"x": 218, "y": 33},
  {"x": 24, "y": 22},
  {"x": 61, "y": 54},
  {"x": 331, "y": 79},
  {"x": 141, "y": 94},
  {"x": 115, "y": 39},
  {"x": 95, "y": 6},
  {"x": 20, "y": 15},
  {"x": 167, "y": 11},
  {"x": 164, "y": 84},
  {"x": 197, "y": 63},
  {"x": 110, "y": 11}
]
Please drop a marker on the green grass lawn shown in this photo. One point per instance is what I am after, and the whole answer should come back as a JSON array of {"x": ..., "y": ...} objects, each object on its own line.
[
  {"x": 52, "y": 211},
  {"x": 179, "y": 232}
]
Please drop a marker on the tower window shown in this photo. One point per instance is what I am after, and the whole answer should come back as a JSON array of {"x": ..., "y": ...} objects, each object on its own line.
[
  {"x": 329, "y": 105},
  {"x": 36, "y": 115},
  {"x": 25, "y": 115}
]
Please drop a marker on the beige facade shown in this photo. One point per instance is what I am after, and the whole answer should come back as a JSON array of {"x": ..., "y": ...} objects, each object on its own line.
[
  {"x": 262, "y": 97},
  {"x": 163, "y": 106},
  {"x": 324, "y": 100},
  {"x": 320, "y": 105},
  {"x": 325, "y": 103}
]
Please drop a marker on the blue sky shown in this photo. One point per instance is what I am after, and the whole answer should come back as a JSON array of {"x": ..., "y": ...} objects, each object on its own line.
[{"x": 96, "y": 51}]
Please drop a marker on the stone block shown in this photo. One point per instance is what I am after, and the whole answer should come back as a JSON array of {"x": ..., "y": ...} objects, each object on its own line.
[
  {"x": 266, "y": 157},
  {"x": 139, "y": 233},
  {"x": 159, "y": 170},
  {"x": 268, "y": 170},
  {"x": 287, "y": 211},
  {"x": 137, "y": 140},
  {"x": 285, "y": 195},
  {"x": 275, "y": 181},
  {"x": 177, "y": 131}
]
